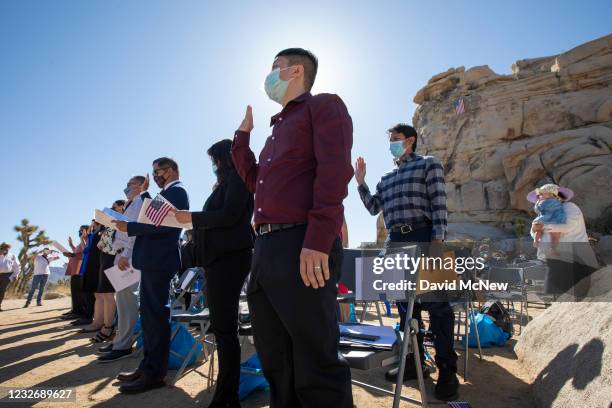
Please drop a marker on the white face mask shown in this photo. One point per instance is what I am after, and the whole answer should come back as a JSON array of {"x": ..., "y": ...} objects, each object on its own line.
[{"x": 275, "y": 87}]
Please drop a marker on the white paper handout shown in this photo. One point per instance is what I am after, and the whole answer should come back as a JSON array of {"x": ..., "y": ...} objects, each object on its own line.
[
  {"x": 169, "y": 221},
  {"x": 122, "y": 279},
  {"x": 59, "y": 247}
]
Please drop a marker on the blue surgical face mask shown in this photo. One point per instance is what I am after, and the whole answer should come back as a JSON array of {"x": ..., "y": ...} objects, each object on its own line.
[
  {"x": 127, "y": 191},
  {"x": 215, "y": 168},
  {"x": 275, "y": 87},
  {"x": 397, "y": 149}
]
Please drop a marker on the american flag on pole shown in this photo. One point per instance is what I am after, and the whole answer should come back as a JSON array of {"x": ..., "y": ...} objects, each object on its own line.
[
  {"x": 459, "y": 106},
  {"x": 158, "y": 210}
]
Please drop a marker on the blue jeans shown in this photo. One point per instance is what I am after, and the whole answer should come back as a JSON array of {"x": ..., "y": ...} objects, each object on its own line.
[{"x": 38, "y": 281}]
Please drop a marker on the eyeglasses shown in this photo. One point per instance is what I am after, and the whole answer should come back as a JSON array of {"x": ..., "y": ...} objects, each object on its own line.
[{"x": 159, "y": 171}]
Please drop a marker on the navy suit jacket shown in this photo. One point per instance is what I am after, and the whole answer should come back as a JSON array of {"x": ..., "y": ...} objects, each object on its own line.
[{"x": 157, "y": 248}]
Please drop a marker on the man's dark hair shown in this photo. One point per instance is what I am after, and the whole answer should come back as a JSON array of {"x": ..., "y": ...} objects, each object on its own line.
[
  {"x": 305, "y": 58},
  {"x": 139, "y": 179},
  {"x": 166, "y": 162},
  {"x": 407, "y": 131},
  {"x": 83, "y": 227},
  {"x": 119, "y": 203}
]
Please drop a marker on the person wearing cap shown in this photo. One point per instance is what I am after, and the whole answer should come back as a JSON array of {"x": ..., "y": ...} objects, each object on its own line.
[
  {"x": 572, "y": 261},
  {"x": 9, "y": 269},
  {"x": 412, "y": 198}
]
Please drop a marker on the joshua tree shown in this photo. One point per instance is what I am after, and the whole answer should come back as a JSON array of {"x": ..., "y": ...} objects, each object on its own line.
[{"x": 32, "y": 239}]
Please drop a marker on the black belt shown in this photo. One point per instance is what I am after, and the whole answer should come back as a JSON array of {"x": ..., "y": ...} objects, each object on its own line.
[
  {"x": 408, "y": 228},
  {"x": 263, "y": 229}
]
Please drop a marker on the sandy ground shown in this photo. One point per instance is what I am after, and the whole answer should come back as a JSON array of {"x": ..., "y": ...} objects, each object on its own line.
[{"x": 37, "y": 349}]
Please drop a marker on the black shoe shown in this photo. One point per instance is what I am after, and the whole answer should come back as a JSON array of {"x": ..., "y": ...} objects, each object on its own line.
[
  {"x": 106, "y": 349},
  {"x": 39, "y": 304},
  {"x": 141, "y": 384},
  {"x": 447, "y": 386},
  {"x": 130, "y": 376},
  {"x": 114, "y": 355},
  {"x": 26, "y": 305},
  {"x": 81, "y": 322}
]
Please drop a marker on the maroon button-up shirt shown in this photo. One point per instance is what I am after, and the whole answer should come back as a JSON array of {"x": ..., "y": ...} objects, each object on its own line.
[{"x": 304, "y": 168}]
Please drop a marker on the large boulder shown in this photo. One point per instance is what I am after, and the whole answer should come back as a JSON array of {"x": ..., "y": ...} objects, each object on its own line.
[
  {"x": 550, "y": 121},
  {"x": 566, "y": 352}
]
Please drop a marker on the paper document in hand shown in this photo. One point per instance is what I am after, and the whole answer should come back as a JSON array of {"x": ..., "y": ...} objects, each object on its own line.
[
  {"x": 104, "y": 219},
  {"x": 59, "y": 247},
  {"x": 158, "y": 209},
  {"x": 168, "y": 221},
  {"x": 116, "y": 215},
  {"x": 122, "y": 279}
]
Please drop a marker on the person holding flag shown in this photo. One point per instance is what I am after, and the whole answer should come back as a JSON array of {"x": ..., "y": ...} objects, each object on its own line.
[{"x": 156, "y": 253}]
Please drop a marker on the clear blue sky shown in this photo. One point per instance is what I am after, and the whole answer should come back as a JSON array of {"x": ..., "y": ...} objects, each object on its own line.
[{"x": 92, "y": 91}]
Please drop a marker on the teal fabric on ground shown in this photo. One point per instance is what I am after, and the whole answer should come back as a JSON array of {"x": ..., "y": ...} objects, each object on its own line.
[
  {"x": 253, "y": 380},
  {"x": 490, "y": 334}
]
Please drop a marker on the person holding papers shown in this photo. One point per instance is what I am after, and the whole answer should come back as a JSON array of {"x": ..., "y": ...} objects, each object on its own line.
[
  {"x": 412, "y": 198},
  {"x": 126, "y": 299},
  {"x": 223, "y": 247},
  {"x": 105, "y": 293},
  {"x": 156, "y": 255},
  {"x": 299, "y": 183},
  {"x": 9, "y": 269}
]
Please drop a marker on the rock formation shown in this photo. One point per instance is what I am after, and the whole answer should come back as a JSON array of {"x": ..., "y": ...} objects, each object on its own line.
[{"x": 549, "y": 121}]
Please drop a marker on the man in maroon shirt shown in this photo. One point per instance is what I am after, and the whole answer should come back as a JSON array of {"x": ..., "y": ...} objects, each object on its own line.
[{"x": 299, "y": 183}]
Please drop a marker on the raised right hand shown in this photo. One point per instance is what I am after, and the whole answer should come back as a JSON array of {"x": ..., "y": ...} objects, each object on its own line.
[
  {"x": 360, "y": 170},
  {"x": 247, "y": 122}
]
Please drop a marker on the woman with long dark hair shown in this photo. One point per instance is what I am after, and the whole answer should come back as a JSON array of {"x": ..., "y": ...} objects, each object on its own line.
[{"x": 223, "y": 238}]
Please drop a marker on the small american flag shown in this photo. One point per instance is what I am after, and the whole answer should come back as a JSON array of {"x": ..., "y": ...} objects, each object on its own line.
[
  {"x": 459, "y": 106},
  {"x": 158, "y": 210},
  {"x": 459, "y": 405}
]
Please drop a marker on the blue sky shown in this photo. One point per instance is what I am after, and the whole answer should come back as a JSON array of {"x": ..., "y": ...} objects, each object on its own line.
[{"x": 92, "y": 91}]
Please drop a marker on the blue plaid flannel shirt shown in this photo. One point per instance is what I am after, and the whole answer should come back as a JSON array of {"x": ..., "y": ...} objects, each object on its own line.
[{"x": 411, "y": 193}]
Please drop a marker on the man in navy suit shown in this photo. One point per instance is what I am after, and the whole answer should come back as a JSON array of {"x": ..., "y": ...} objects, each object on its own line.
[{"x": 157, "y": 255}]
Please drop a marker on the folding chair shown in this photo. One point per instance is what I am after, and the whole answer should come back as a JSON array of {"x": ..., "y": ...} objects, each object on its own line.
[
  {"x": 466, "y": 307},
  {"x": 517, "y": 290},
  {"x": 183, "y": 286},
  {"x": 535, "y": 276},
  {"x": 347, "y": 277},
  {"x": 407, "y": 342}
]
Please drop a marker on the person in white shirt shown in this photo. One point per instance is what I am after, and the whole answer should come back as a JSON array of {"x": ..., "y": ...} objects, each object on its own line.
[
  {"x": 126, "y": 299},
  {"x": 572, "y": 260},
  {"x": 9, "y": 269},
  {"x": 41, "y": 273}
]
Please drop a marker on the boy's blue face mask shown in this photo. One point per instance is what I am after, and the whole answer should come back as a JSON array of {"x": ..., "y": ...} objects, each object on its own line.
[
  {"x": 397, "y": 148},
  {"x": 275, "y": 87}
]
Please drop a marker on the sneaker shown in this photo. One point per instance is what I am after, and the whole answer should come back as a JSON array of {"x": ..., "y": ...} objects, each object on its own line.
[
  {"x": 447, "y": 386},
  {"x": 114, "y": 356},
  {"x": 106, "y": 349}
]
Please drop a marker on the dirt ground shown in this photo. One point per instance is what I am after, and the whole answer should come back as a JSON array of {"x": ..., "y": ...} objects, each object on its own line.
[{"x": 38, "y": 349}]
